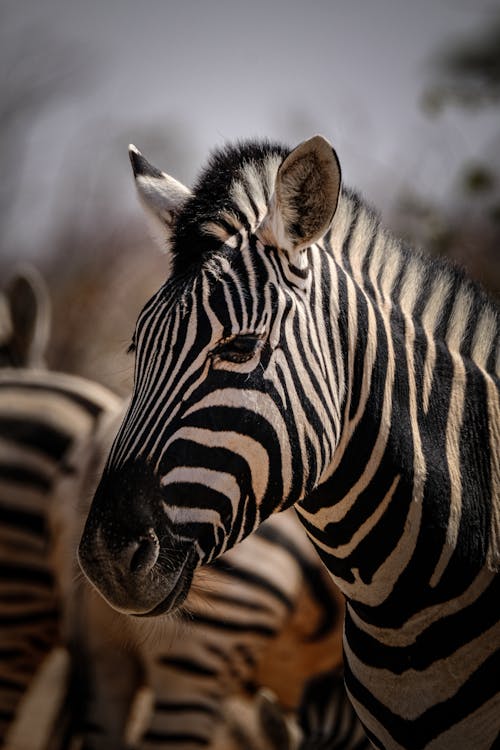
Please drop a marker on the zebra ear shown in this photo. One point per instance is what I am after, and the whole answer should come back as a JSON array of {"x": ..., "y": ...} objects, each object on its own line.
[
  {"x": 161, "y": 195},
  {"x": 305, "y": 197},
  {"x": 29, "y": 309}
]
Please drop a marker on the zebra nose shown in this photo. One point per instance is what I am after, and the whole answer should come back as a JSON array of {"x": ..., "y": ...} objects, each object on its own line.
[{"x": 142, "y": 554}]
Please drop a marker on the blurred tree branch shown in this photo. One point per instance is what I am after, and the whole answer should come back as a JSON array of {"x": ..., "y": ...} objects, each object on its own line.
[{"x": 468, "y": 72}]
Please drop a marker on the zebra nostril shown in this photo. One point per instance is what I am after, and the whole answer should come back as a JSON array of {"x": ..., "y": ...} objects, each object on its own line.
[{"x": 146, "y": 553}]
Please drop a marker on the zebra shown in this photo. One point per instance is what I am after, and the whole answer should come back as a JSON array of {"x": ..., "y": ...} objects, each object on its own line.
[
  {"x": 300, "y": 355},
  {"x": 47, "y": 422},
  {"x": 43, "y": 416},
  {"x": 264, "y": 614}
]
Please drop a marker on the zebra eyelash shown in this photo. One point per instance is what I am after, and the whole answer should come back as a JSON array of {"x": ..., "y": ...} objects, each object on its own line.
[{"x": 131, "y": 348}]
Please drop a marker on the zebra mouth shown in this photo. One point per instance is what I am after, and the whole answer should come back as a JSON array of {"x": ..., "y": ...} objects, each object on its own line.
[{"x": 179, "y": 590}]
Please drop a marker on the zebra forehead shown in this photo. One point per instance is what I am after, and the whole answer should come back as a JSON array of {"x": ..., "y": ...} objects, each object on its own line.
[{"x": 231, "y": 193}]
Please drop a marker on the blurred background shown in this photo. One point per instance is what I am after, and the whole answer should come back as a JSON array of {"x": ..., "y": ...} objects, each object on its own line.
[{"x": 409, "y": 94}]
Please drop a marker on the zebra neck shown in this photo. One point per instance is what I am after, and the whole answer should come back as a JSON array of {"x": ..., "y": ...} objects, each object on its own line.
[{"x": 408, "y": 504}]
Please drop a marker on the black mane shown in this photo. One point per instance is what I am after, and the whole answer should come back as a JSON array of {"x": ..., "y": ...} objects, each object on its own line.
[{"x": 212, "y": 196}]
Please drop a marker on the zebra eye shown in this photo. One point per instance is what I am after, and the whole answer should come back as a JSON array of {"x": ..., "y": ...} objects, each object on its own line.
[
  {"x": 238, "y": 349},
  {"x": 131, "y": 347}
]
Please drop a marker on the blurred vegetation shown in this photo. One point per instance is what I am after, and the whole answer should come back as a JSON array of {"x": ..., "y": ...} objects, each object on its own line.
[
  {"x": 98, "y": 260},
  {"x": 465, "y": 74},
  {"x": 96, "y": 300},
  {"x": 467, "y": 71}
]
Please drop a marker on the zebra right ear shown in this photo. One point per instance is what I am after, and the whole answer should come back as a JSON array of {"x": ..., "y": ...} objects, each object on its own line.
[
  {"x": 305, "y": 197},
  {"x": 161, "y": 195}
]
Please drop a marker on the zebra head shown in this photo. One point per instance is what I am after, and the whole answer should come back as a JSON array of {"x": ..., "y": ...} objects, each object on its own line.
[{"x": 231, "y": 413}]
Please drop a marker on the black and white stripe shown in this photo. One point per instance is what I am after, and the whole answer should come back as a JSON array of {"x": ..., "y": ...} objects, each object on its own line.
[
  {"x": 326, "y": 717},
  {"x": 265, "y": 614},
  {"x": 300, "y": 355},
  {"x": 43, "y": 416}
]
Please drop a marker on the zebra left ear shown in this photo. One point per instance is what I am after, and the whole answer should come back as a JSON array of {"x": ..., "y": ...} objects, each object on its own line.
[
  {"x": 161, "y": 195},
  {"x": 305, "y": 197}
]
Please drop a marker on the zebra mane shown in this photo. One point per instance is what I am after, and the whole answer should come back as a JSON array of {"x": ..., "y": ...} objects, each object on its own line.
[
  {"x": 409, "y": 276},
  {"x": 225, "y": 199}
]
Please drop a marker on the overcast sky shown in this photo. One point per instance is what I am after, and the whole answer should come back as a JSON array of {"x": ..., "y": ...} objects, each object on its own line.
[{"x": 353, "y": 70}]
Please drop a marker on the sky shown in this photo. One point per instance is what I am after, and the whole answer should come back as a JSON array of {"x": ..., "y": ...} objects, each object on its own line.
[{"x": 183, "y": 77}]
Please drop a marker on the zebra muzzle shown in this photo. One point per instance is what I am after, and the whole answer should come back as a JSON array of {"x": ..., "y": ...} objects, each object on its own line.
[{"x": 146, "y": 576}]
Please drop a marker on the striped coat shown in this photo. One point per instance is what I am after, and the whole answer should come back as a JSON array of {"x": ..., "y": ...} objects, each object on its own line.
[
  {"x": 43, "y": 416},
  {"x": 298, "y": 354}
]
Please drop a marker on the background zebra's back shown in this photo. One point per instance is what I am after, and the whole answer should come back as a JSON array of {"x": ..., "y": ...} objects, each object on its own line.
[{"x": 43, "y": 415}]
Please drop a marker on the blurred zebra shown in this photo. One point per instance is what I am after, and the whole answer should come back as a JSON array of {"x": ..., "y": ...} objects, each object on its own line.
[
  {"x": 43, "y": 416},
  {"x": 300, "y": 355},
  {"x": 327, "y": 718}
]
